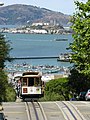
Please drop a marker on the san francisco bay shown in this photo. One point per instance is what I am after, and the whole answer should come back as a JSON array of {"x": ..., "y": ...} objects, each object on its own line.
[{"x": 38, "y": 45}]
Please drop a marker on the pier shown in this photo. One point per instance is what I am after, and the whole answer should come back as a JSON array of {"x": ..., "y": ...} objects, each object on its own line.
[
  {"x": 35, "y": 57},
  {"x": 62, "y": 57}
]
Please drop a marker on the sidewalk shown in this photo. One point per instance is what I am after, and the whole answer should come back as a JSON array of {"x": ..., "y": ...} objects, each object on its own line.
[{"x": 18, "y": 100}]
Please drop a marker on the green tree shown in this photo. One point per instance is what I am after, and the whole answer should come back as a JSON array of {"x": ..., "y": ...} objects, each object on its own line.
[
  {"x": 57, "y": 90},
  {"x": 80, "y": 73},
  {"x": 10, "y": 94},
  {"x": 4, "y": 51},
  {"x": 7, "y": 93},
  {"x": 3, "y": 83},
  {"x": 81, "y": 44},
  {"x": 78, "y": 82}
]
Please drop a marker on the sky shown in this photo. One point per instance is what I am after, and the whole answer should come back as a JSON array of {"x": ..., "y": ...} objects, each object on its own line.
[{"x": 64, "y": 6}]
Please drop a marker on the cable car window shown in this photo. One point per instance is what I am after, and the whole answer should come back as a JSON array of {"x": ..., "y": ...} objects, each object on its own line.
[
  {"x": 30, "y": 81},
  {"x": 36, "y": 82},
  {"x": 24, "y": 81}
]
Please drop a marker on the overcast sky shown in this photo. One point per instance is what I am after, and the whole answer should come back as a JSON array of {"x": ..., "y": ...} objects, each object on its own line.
[{"x": 64, "y": 6}]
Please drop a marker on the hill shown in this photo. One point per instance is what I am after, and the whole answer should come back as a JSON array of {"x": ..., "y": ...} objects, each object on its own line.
[{"x": 19, "y": 14}]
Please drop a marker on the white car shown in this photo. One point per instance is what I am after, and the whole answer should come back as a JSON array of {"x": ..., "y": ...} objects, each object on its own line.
[{"x": 87, "y": 96}]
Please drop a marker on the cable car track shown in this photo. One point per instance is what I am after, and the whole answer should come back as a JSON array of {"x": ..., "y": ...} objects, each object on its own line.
[
  {"x": 69, "y": 111},
  {"x": 35, "y": 111}
]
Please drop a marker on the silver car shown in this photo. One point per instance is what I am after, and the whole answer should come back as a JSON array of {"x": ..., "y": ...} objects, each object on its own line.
[{"x": 87, "y": 96}]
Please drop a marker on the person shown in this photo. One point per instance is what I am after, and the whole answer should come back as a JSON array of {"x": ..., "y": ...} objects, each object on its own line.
[{"x": 18, "y": 87}]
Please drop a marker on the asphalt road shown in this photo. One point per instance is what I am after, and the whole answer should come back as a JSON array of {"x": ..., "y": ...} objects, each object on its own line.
[
  {"x": 58, "y": 110},
  {"x": 83, "y": 107}
]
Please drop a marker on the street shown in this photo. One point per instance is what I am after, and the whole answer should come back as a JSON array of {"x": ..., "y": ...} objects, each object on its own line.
[{"x": 59, "y": 110}]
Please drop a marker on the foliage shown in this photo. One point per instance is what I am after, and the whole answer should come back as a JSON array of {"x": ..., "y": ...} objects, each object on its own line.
[
  {"x": 56, "y": 90},
  {"x": 10, "y": 94},
  {"x": 81, "y": 44},
  {"x": 3, "y": 84},
  {"x": 79, "y": 80},
  {"x": 4, "y": 51},
  {"x": 6, "y": 89}
]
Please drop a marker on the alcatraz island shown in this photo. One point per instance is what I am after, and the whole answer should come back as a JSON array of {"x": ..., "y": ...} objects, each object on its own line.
[{"x": 38, "y": 28}]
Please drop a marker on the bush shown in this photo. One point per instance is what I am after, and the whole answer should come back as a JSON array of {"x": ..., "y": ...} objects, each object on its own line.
[
  {"x": 6, "y": 89},
  {"x": 10, "y": 94},
  {"x": 56, "y": 90}
]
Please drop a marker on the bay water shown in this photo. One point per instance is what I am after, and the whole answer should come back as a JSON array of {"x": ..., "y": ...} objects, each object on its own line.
[{"x": 38, "y": 45}]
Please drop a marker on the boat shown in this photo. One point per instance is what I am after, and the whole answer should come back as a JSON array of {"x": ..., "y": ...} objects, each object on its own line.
[
  {"x": 54, "y": 71},
  {"x": 66, "y": 57},
  {"x": 61, "y": 39}
]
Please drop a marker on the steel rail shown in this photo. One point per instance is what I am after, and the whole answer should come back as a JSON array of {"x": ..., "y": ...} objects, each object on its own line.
[
  {"x": 68, "y": 111},
  {"x": 75, "y": 118},
  {"x": 77, "y": 111},
  {"x": 36, "y": 108},
  {"x": 63, "y": 111},
  {"x": 42, "y": 111},
  {"x": 28, "y": 111}
]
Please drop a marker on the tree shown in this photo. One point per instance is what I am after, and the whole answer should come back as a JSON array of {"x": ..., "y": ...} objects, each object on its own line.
[
  {"x": 3, "y": 83},
  {"x": 4, "y": 51},
  {"x": 81, "y": 44},
  {"x": 80, "y": 73},
  {"x": 7, "y": 93},
  {"x": 78, "y": 81},
  {"x": 57, "y": 90}
]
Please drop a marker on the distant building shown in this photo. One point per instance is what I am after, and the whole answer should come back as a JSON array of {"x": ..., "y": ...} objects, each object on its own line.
[
  {"x": 67, "y": 28},
  {"x": 38, "y": 31},
  {"x": 39, "y": 23}
]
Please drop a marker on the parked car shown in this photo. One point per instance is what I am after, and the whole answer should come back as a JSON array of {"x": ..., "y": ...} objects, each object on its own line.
[
  {"x": 2, "y": 116},
  {"x": 87, "y": 96},
  {"x": 82, "y": 95}
]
